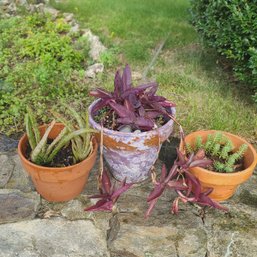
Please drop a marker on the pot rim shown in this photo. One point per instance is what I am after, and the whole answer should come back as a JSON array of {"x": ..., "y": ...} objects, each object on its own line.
[
  {"x": 238, "y": 173},
  {"x": 24, "y": 140},
  {"x": 125, "y": 134}
]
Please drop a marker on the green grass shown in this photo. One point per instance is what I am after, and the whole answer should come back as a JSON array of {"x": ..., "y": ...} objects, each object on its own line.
[
  {"x": 134, "y": 26},
  {"x": 206, "y": 96}
]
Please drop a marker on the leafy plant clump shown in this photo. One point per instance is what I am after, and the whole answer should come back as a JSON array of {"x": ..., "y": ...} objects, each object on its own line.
[
  {"x": 186, "y": 185},
  {"x": 43, "y": 152},
  {"x": 220, "y": 149},
  {"x": 137, "y": 107},
  {"x": 178, "y": 178},
  {"x": 230, "y": 27},
  {"x": 40, "y": 62}
]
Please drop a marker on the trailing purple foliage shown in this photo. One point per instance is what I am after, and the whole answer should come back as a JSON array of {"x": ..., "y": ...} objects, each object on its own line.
[
  {"x": 186, "y": 185},
  {"x": 136, "y": 106},
  {"x": 108, "y": 194}
]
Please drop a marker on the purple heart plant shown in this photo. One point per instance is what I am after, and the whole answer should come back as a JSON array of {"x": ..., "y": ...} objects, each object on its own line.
[
  {"x": 186, "y": 185},
  {"x": 179, "y": 178},
  {"x": 138, "y": 107}
]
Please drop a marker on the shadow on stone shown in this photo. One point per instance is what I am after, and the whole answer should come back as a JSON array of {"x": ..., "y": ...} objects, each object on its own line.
[{"x": 168, "y": 153}]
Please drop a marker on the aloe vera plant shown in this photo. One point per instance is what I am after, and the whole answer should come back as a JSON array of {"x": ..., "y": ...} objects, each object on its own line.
[{"x": 43, "y": 153}]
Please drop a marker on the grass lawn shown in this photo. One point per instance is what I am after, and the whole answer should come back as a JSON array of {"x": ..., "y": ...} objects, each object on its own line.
[{"x": 206, "y": 96}]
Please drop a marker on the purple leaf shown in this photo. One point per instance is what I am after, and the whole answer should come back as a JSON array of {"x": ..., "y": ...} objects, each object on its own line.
[
  {"x": 175, "y": 207},
  {"x": 126, "y": 78},
  {"x": 157, "y": 192},
  {"x": 99, "y": 105},
  {"x": 137, "y": 90},
  {"x": 167, "y": 103},
  {"x": 128, "y": 105},
  {"x": 153, "y": 89},
  {"x": 200, "y": 163},
  {"x": 120, "y": 191},
  {"x": 177, "y": 185},
  {"x": 100, "y": 93},
  {"x": 208, "y": 191},
  {"x": 200, "y": 154},
  {"x": 195, "y": 184},
  {"x": 125, "y": 121},
  {"x": 163, "y": 173},
  {"x": 101, "y": 205},
  {"x": 118, "y": 85},
  {"x": 152, "y": 114},
  {"x": 141, "y": 111},
  {"x": 205, "y": 200},
  {"x": 106, "y": 183},
  {"x": 181, "y": 157},
  {"x": 134, "y": 101},
  {"x": 150, "y": 208},
  {"x": 144, "y": 122},
  {"x": 156, "y": 98},
  {"x": 122, "y": 111}
]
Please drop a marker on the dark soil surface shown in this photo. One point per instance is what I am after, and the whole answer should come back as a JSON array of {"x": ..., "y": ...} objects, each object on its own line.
[
  {"x": 108, "y": 118},
  {"x": 63, "y": 158}
]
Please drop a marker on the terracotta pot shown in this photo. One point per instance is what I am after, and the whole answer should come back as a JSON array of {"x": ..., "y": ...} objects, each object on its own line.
[
  {"x": 224, "y": 184},
  {"x": 57, "y": 184},
  {"x": 131, "y": 155}
]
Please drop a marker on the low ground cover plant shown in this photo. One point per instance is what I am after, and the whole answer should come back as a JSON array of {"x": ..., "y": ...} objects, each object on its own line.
[{"x": 39, "y": 63}]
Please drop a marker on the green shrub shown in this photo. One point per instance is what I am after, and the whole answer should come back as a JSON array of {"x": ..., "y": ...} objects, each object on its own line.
[
  {"x": 40, "y": 62},
  {"x": 230, "y": 26}
]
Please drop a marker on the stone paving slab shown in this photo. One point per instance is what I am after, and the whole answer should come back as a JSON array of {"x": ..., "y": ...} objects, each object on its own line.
[
  {"x": 52, "y": 238},
  {"x": 125, "y": 232},
  {"x": 16, "y": 205},
  {"x": 7, "y": 169},
  {"x": 19, "y": 179}
]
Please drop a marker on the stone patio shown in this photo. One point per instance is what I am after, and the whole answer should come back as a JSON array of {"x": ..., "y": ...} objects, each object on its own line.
[{"x": 32, "y": 227}]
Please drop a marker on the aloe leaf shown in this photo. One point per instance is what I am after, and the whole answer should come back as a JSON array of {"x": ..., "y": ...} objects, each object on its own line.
[
  {"x": 56, "y": 140},
  {"x": 30, "y": 134},
  {"x": 74, "y": 113},
  {"x": 34, "y": 125},
  {"x": 65, "y": 140},
  {"x": 42, "y": 142},
  {"x": 63, "y": 120},
  {"x": 88, "y": 151},
  {"x": 87, "y": 136}
]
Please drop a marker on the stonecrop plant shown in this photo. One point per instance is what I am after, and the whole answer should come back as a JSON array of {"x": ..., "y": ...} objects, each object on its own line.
[
  {"x": 221, "y": 150},
  {"x": 138, "y": 107}
]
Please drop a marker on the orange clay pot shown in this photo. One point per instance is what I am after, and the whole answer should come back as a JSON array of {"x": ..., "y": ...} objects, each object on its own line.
[
  {"x": 57, "y": 184},
  {"x": 224, "y": 184}
]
